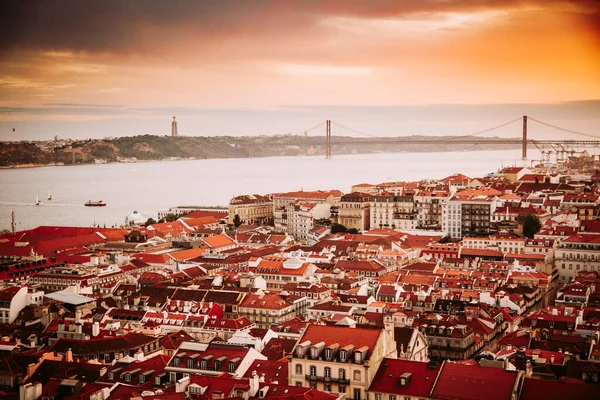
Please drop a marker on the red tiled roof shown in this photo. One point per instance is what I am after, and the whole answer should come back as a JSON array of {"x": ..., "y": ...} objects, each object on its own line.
[
  {"x": 465, "y": 382},
  {"x": 390, "y": 370},
  {"x": 359, "y": 337},
  {"x": 535, "y": 389}
]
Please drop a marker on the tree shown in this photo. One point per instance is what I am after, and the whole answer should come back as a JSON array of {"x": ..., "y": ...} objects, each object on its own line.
[
  {"x": 236, "y": 220},
  {"x": 149, "y": 221},
  {"x": 337, "y": 228},
  {"x": 352, "y": 230},
  {"x": 170, "y": 218},
  {"x": 531, "y": 224}
]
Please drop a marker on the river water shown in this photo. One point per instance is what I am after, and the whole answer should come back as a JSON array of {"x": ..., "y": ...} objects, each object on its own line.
[{"x": 152, "y": 186}]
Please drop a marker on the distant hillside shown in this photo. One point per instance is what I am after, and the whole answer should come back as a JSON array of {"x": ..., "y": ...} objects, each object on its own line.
[{"x": 148, "y": 147}]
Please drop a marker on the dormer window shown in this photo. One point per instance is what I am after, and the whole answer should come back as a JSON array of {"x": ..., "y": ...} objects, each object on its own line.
[{"x": 343, "y": 355}]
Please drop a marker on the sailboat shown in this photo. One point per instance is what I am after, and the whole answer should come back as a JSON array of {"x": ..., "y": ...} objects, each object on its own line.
[
  {"x": 50, "y": 194},
  {"x": 37, "y": 200}
]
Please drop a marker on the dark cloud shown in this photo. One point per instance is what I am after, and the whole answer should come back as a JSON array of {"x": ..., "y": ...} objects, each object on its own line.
[{"x": 145, "y": 26}]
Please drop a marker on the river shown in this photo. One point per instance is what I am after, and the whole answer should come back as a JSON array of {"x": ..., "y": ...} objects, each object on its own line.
[{"x": 152, "y": 186}]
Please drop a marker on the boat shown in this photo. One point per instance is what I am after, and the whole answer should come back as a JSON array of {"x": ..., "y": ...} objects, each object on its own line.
[
  {"x": 98, "y": 203},
  {"x": 38, "y": 202},
  {"x": 50, "y": 194}
]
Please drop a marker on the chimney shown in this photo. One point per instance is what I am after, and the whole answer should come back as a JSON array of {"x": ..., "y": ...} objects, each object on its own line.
[
  {"x": 78, "y": 328},
  {"x": 552, "y": 359},
  {"x": 61, "y": 326},
  {"x": 78, "y": 315},
  {"x": 69, "y": 355},
  {"x": 254, "y": 384},
  {"x": 31, "y": 369},
  {"x": 95, "y": 329}
]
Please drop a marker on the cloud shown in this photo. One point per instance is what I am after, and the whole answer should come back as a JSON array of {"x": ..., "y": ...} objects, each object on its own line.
[{"x": 117, "y": 26}]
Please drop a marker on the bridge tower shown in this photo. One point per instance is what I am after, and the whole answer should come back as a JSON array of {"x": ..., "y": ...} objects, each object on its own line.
[
  {"x": 328, "y": 139},
  {"x": 524, "y": 153}
]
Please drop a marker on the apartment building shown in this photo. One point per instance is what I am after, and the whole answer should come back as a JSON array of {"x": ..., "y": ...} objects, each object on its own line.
[
  {"x": 251, "y": 209},
  {"x": 354, "y": 211},
  {"x": 340, "y": 359}
]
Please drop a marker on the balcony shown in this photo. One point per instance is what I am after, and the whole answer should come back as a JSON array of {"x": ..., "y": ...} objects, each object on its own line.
[{"x": 315, "y": 378}]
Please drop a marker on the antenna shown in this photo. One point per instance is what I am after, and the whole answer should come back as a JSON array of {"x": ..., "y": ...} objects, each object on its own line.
[{"x": 13, "y": 223}]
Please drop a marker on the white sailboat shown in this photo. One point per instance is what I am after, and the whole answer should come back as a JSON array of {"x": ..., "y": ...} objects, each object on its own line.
[
  {"x": 37, "y": 200},
  {"x": 50, "y": 194}
]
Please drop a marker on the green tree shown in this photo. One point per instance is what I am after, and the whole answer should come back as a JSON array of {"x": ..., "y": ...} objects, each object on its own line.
[
  {"x": 236, "y": 220},
  {"x": 150, "y": 221},
  {"x": 352, "y": 230},
  {"x": 337, "y": 228},
  {"x": 531, "y": 224},
  {"x": 170, "y": 218}
]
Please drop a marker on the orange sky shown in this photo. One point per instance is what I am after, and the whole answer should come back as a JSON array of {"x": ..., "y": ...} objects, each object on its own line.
[{"x": 76, "y": 61}]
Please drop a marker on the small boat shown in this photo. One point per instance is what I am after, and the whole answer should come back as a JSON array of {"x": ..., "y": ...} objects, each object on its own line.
[
  {"x": 50, "y": 194},
  {"x": 38, "y": 202},
  {"x": 98, "y": 203}
]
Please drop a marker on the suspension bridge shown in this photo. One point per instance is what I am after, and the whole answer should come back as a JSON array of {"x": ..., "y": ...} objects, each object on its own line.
[{"x": 562, "y": 148}]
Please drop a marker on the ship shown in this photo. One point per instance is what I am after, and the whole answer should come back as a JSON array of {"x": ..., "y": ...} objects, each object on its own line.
[{"x": 98, "y": 203}]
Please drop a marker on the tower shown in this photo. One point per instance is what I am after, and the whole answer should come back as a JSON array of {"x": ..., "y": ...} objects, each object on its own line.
[{"x": 174, "y": 127}]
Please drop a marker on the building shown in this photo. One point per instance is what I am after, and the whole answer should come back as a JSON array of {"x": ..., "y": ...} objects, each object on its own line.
[
  {"x": 403, "y": 379},
  {"x": 251, "y": 209},
  {"x": 429, "y": 209},
  {"x": 340, "y": 359},
  {"x": 12, "y": 301},
  {"x": 395, "y": 212},
  {"x": 212, "y": 359},
  {"x": 298, "y": 218},
  {"x": 266, "y": 309},
  {"x": 469, "y": 213},
  {"x": 577, "y": 253},
  {"x": 354, "y": 211}
]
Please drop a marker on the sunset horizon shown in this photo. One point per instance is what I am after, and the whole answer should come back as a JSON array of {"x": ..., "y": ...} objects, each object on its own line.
[{"x": 125, "y": 65}]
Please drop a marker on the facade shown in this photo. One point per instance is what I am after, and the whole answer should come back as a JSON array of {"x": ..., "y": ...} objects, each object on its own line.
[
  {"x": 251, "y": 209},
  {"x": 395, "y": 212},
  {"x": 463, "y": 216},
  {"x": 577, "y": 253},
  {"x": 12, "y": 300},
  {"x": 429, "y": 209},
  {"x": 266, "y": 309},
  {"x": 339, "y": 359},
  {"x": 354, "y": 211},
  {"x": 298, "y": 218}
]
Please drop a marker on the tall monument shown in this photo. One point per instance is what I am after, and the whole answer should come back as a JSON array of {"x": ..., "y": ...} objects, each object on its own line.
[{"x": 174, "y": 127}]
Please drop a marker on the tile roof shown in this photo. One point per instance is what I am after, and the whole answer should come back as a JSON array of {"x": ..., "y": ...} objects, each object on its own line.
[
  {"x": 535, "y": 389},
  {"x": 359, "y": 337},
  {"x": 465, "y": 382},
  {"x": 421, "y": 382}
]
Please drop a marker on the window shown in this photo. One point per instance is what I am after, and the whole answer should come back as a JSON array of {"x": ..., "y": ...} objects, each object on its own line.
[
  {"x": 342, "y": 389},
  {"x": 357, "y": 375},
  {"x": 327, "y": 373},
  {"x": 392, "y": 397},
  {"x": 342, "y": 373},
  {"x": 190, "y": 363},
  {"x": 298, "y": 369},
  {"x": 378, "y": 396},
  {"x": 313, "y": 370},
  {"x": 327, "y": 387},
  {"x": 356, "y": 394}
]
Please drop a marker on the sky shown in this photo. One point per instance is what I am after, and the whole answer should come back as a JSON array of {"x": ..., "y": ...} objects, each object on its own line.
[{"x": 381, "y": 67}]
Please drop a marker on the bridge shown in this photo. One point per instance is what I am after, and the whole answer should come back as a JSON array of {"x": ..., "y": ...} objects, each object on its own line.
[{"x": 561, "y": 148}]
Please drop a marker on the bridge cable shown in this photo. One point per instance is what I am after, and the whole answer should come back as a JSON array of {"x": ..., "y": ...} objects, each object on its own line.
[
  {"x": 563, "y": 129},
  {"x": 486, "y": 130},
  {"x": 352, "y": 130}
]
